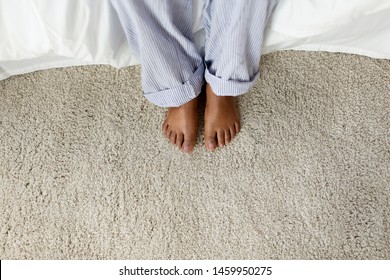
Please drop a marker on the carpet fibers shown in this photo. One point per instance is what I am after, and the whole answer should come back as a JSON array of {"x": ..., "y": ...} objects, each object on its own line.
[{"x": 85, "y": 172}]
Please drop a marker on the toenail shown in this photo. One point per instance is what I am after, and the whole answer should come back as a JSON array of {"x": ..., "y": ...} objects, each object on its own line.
[{"x": 211, "y": 146}]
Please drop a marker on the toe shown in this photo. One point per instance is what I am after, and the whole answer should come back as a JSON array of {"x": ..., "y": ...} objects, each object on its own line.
[
  {"x": 165, "y": 126},
  {"x": 232, "y": 131},
  {"x": 221, "y": 138},
  {"x": 168, "y": 133},
  {"x": 227, "y": 136},
  {"x": 188, "y": 144},
  {"x": 172, "y": 138},
  {"x": 237, "y": 127},
  {"x": 179, "y": 140},
  {"x": 210, "y": 141}
]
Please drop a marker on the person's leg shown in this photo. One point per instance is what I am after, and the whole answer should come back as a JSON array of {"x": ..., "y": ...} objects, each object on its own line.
[
  {"x": 160, "y": 32},
  {"x": 234, "y": 36}
]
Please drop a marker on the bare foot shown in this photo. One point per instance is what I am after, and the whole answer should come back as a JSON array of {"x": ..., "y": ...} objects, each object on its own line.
[
  {"x": 181, "y": 125},
  {"x": 221, "y": 118}
]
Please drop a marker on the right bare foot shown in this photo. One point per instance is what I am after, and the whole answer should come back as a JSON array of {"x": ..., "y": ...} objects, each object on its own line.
[{"x": 181, "y": 125}]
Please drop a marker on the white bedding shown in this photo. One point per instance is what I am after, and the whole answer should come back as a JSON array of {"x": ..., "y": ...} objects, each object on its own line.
[{"x": 42, "y": 34}]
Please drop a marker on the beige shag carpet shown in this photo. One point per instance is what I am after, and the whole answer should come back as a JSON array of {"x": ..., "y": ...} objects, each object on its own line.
[{"x": 85, "y": 172}]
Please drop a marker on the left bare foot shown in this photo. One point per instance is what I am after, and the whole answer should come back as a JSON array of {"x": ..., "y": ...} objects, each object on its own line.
[{"x": 221, "y": 118}]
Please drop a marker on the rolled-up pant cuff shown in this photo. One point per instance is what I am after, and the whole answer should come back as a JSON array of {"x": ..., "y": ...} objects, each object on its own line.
[
  {"x": 177, "y": 96},
  {"x": 223, "y": 87}
]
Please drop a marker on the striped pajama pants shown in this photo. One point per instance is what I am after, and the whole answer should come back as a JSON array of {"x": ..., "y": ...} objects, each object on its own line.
[{"x": 173, "y": 70}]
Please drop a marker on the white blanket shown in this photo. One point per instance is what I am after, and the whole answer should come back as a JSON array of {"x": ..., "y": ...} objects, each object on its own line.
[{"x": 42, "y": 34}]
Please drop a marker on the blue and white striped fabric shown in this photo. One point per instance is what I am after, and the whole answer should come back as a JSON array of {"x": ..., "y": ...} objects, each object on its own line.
[{"x": 173, "y": 70}]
